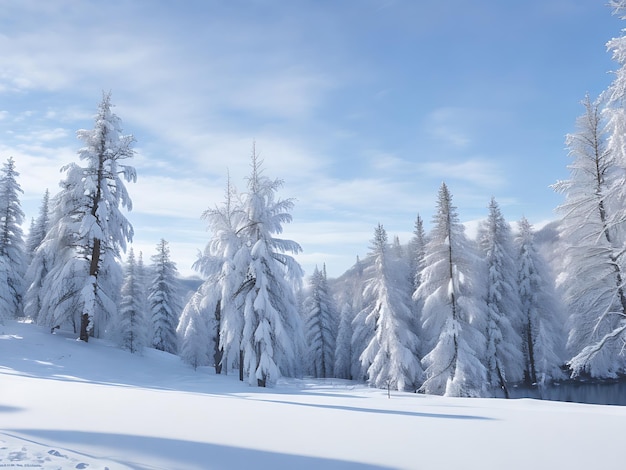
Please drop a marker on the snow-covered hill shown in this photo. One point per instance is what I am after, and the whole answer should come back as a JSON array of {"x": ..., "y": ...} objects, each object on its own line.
[{"x": 66, "y": 404}]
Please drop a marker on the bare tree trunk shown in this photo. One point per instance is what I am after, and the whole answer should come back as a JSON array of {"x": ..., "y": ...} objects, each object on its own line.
[
  {"x": 503, "y": 386},
  {"x": 93, "y": 271},
  {"x": 218, "y": 352},
  {"x": 84, "y": 324},
  {"x": 241, "y": 365}
]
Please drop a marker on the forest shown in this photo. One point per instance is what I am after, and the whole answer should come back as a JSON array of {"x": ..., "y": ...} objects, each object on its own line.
[{"x": 444, "y": 314}]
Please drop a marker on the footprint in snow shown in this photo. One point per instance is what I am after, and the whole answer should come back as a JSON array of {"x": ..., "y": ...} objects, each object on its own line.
[
  {"x": 17, "y": 455},
  {"x": 82, "y": 465},
  {"x": 56, "y": 453}
]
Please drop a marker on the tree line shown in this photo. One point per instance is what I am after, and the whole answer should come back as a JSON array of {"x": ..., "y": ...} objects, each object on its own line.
[{"x": 443, "y": 314}]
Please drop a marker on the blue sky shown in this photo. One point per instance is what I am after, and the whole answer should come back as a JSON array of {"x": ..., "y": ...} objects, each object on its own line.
[{"x": 362, "y": 107}]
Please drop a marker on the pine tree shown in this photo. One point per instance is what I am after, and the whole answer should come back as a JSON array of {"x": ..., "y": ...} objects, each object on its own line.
[
  {"x": 143, "y": 279},
  {"x": 272, "y": 336},
  {"x": 503, "y": 358},
  {"x": 39, "y": 227},
  {"x": 12, "y": 249},
  {"x": 343, "y": 347},
  {"x": 349, "y": 299},
  {"x": 164, "y": 300},
  {"x": 132, "y": 321},
  {"x": 543, "y": 335},
  {"x": 363, "y": 328},
  {"x": 418, "y": 251},
  {"x": 451, "y": 312},
  {"x": 391, "y": 355},
  {"x": 193, "y": 333},
  {"x": 224, "y": 264},
  {"x": 37, "y": 261},
  {"x": 320, "y": 325},
  {"x": 591, "y": 231},
  {"x": 88, "y": 230}
]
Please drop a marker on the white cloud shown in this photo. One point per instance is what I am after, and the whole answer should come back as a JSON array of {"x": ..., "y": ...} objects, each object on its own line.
[
  {"x": 477, "y": 171},
  {"x": 174, "y": 197},
  {"x": 449, "y": 125},
  {"x": 44, "y": 135}
]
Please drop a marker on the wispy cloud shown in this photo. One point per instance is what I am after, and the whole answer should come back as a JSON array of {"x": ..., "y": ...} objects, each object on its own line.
[
  {"x": 477, "y": 171},
  {"x": 450, "y": 126}
]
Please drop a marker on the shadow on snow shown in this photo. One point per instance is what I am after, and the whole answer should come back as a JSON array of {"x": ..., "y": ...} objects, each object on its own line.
[{"x": 190, "y": 455}]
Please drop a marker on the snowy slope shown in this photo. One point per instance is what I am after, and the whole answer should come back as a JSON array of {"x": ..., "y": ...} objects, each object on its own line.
[{"x": 66, "y": 404}]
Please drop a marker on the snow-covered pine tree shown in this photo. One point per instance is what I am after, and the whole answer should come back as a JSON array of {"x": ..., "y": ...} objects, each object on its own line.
[
  {"x": 503, "y": 355},
  {"x": 224, "y": 264},
  {"x": 348, "y": 295},
  {"x": 543, "y": 334},
  {"x": 12, "y": 249},
  {"x": 37, "y": 263},
  {"x": 321, "y": 324},
  {"x": 88, "y": 230},
  {"x": 39, "y": 227},
  {"x": 391, "y": 355},
  {"x": 343, "y": 346},
  {"x": 272, "y": 332},
  {"x": 53, "y": 267},
  {"x": 592, "y": 234},
  {"x": 143, "y": 279},
  {"x": 417, "y": 251},
  {"x": 164, "y": 300},
  {"x": 132, "y": 325},
  {"x": 362, "y": 302},
  {"x": 193, "y": 334},
  {"x": 451, "y": 311}
]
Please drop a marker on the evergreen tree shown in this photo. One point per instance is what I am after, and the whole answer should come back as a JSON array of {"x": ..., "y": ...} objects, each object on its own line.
[
  {"x": 418, "y": 251},
  {"x": 38, "y": 264},
  {"x": 88, "y": 230},
  {"x": 349, "y": 299},
  {"x": 503, "y": 358},
  {"x": 272, "y": 339},
  {"x": 391, "y": 355},
  {"x": 592, "y": 235},
  {"x": 132, "y": 321},
  {"x": 143, "y": 279},
  {"x": 320, "y": 325},
  {"x": 164, "y": 300},
  {"x": 543, "y": 335},
  {"x": 451, "y": 312},
  {"x": 193, "y": 333},
  {"x": 12, "y": 249},
  {"x": 39, "y": 227},
  {"x": 343, "y": 347},
  {"x": 53, "y": 266},
  {"x": 224, "y": 264},
  {"x": 363, "y": 326}
]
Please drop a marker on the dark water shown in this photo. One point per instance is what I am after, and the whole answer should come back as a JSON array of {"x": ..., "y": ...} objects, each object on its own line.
[{"x": 605, "y": 393}]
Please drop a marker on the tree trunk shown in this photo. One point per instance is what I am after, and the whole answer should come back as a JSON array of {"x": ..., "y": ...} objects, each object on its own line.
[
  {"x": 241, "y": 365},
  {"x": 93, "y": 271},
  {"x": 532, "y": 370},
  {"x": 262, "y": 381},
  {"x": 84, "y": 325},
  {"x": 218, "y": 352},
  {"x": 503, "y": 386}
]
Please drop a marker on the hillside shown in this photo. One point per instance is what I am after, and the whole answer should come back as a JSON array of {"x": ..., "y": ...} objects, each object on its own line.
[{"x": 67, "y": 404}]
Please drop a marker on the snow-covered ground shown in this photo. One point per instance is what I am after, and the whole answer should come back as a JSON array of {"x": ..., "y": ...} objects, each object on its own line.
[{"x": 65, "y": 404}]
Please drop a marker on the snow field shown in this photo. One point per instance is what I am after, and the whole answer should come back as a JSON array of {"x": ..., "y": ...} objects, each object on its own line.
[{"x": 96, "y": 405}]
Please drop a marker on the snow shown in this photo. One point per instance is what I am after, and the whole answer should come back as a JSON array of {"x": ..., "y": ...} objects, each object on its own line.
[{"x": 68, "y": 404}]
